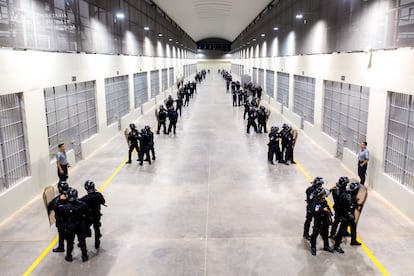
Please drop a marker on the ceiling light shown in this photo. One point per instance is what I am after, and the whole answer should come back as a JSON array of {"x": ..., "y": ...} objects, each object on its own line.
[
  {"x": 177, "y": 42},
  {"x": 263, "y": 34},
  {"x": 120, "y": 15},
  {"x": 275, "y": 28},
  {"x": 160, "y": 34},
  {"x": 146, "y": 28},
  {"x": 170, "y": 39},
  {"x": 253, "y": 39},
  {"x": 299, "y": 16}
]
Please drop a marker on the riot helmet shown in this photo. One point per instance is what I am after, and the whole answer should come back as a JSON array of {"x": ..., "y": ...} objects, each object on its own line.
[
  {"x": 284, "y": 126},
  {"x": 63, "y": 186},
  {"x": 132, "y": 126},
  {"x": 342, "y": 182},
  {"x": 147, "y": 128},
  {"x": 354, "y": 186},
  {"x": 72, "y": 195},
  {"x": 318, "y": 182},
  {"x": 89, "y": 186}
]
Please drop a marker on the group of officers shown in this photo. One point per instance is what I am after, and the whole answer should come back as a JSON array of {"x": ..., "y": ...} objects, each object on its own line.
[
  {"x": 141, "y": 141},
  {"x": 286, "y": 137},
  {"x": 74, "y": 216},
  {"x": 346, "y": 203}
]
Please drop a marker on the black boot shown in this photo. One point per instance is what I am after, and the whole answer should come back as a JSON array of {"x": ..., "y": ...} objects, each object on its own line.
[{"x": 313, "y": 251}]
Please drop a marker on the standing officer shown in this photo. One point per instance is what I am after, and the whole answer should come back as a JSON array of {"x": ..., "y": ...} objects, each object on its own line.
[
  {"x": 145, "y": 147},
  {"x": 169, "y": 102},
  {"x": 162, "y": 119},
  {"x": 246, "y": 109},
  {"x": 251, "y": 121},
  {"x": 151, "y": 144},
  {"x": 74, "y": 213},
  {"x": 179, "y": 103},
  {"x": 322, "y": 219},
  {"x": 62, "y": 162},
  {"x": 274, "y": 141},
  {"x": 353, "y": 192},
  {"x": 234, "y": 94},
  {"x": 133, "y": 137},
  {"x": 363, "y": 158},
  {"x": 261, "y": 119},
  {"x": 63, "y": 188},
  {"x": 337, "y": 191},
  {"x": 172, "y": 116},
  {"x": 94, "y": 200},
  {"x": 310, "y": 199}
]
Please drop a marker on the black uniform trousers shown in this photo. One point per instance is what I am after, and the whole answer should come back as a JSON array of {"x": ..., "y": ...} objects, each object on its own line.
[
  {"x": 131, "y": 149},
  {"x": 63, "y": 176},
  {"x": 362, "y": 171}
]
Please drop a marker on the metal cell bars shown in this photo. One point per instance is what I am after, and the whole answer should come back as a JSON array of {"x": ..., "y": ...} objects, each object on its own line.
[
  {"x": 283, "y": 88},
  {"x": 304, "y": 97},
  {"x": 270, "y": 83},
  {"x": 155, "y": 83},
  {"x": 261, "y": 78},
  {"x": 117, "y": 100},
  {"x": 345, "y": 113},
  {"x": 399, "y": 147},
  {"x": 164, "y": 79},
  {"x": 70, "y": 115},
  {"x": 13, "y": 153},
  {"x": 140, "y": 89},
  {"x": 254, "y": 77},
  {"x": 171, "y": 72}
]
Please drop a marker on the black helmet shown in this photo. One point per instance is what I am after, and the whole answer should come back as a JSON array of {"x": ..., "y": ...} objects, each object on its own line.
[
  {"x": 274, "y": 128},
  {"x": 143, "y": 130},
  {"x": 72, "y": 195},
  {"x": 354, "y": 186},
  {"x": 132, "y": 126},
  {"x": 147, "y": 127},
  {"x": 285, "y": 125},
  {"x": 161, "y": 107},
  {"x": 342, "y": 182},
  {"x": 89, "y": 186},
  {"x": 318, "y": 181},
  {"x": 63, "y": 186}
]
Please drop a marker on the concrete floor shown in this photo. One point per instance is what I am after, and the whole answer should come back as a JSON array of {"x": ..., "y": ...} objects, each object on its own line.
[{"x": 209, "y": 205}]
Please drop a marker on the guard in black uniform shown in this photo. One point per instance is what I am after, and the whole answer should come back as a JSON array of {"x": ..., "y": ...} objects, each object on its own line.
[
  {"x": 322, "y": 218},
  {"x": 336, "y": 191},
  {"x": 179, "y": 103},
  {"x": 94, "y": 200},
  {"x": 251, "y": 121},
  {"x": 145, "y": 147},
  {"x": 162, "y": 119},
  {"x": 344, "y": 207},
  {"x": 74, "y": 213},
  {"x": 261, "y": 119},
  {"x": 151, "y": 144},
  {"x": 169, "y": 102},
  {"x": 133, "y": 137},
  {"x": 310, "y": 198},
  {"x": 234, "y": 94},
  {"x": 63, "y": 188},
  {"x": 172, "y": 117},
  {"x": 274, "y": 148},
  {"x": 246, "y": 109},
  {"x": 353, "y": 192}
]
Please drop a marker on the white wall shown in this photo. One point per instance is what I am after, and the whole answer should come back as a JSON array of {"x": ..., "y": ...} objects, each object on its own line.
[
  {"x": 30, "y": 72},
  {"x": 381, "y": 71}
]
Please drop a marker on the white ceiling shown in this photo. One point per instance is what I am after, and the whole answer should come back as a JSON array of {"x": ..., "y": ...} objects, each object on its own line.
[{"x": 202, "y": 19}]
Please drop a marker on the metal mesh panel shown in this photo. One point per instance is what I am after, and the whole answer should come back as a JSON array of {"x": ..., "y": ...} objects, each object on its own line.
[
  {"x": 155, "y": 83},
  {"x": 171, "y": 72},
  {"x": 261, "y": 77},
  {"x": 140, "y": 89},
  {"x": 70, "y": 115},
  {"x": 270, "y": 83},
  {"x": 399, "y": 149},
  {"x": 164, "y": 79},
  {"x": 345, "y": 113},
  {"x": 283, "y": 88},
  {"x": 13, "y": 154},
  {"x": 117, "y": 100},
  {"x": 304, "y": 97},
  {"x": 254, "y": 77}
]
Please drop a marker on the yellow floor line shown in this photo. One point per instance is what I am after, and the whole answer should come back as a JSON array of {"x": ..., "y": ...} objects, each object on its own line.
[
  {"x": 55, "y": 240},
  {"x": 364, "y": 247}
]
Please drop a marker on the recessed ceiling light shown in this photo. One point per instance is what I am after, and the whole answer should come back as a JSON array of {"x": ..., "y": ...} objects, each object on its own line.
[
  {"x": 262, "y": 34},
  {"x": 299, "y": 16},
  {"x": 254, "y": 39},
  {"x": 275, "y": 28},
  {"x": 160, "y": 34},
  {"x": 146, "y": 28},
  {"x": 120, "y": 15}
]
